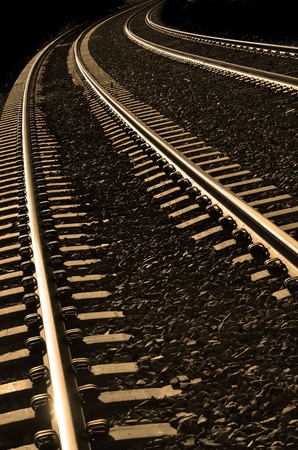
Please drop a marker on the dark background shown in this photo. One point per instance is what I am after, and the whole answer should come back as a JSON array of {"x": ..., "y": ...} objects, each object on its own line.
[{"x": 28, "y": 25}]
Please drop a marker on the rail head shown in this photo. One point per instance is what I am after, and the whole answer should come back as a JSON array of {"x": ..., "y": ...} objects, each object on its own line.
[{"x": 62, "y": 418}]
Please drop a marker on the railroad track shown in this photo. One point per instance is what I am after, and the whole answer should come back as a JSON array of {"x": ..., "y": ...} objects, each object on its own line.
[
  {"x": 275, "y": 58},
  {"x": 284, "y": 51},
  {"x": 96, "y": 350}
]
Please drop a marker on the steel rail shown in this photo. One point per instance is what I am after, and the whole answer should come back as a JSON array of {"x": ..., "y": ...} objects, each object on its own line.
[
  {"x": 242, "y": 43},
  {"x": 280, "y": 241},
  {"x": 253, "y": 73},
  {"x": 63, "y": 415}
]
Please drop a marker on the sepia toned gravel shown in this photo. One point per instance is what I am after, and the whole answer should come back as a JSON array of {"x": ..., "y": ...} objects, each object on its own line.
[
  {"x": 198, "y": 322},
  {"x": 255, "y": 126}
]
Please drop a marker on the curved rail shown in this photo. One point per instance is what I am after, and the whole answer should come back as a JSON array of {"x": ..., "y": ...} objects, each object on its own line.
[
  {"x": 240, "y": 43},
  {"x": 280, "y": 241},
  {"x": 257, "y": 74},
  {"x": 61, "y": 402}
]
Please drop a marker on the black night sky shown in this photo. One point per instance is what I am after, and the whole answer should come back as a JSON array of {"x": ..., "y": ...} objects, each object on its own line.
[{"x": 28, "y": 26}]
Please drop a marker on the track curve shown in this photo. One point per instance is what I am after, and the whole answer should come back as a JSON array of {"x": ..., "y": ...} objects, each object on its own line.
[{"x": 171, "y": 333}]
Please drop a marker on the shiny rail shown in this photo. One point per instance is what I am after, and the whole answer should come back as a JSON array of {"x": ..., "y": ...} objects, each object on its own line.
[
  {"x": 213, "y": 39},
  {"x": 63, "y": 414}
]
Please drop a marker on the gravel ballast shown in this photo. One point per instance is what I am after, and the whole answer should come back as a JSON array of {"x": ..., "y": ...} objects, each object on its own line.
[{"x": 199, "y": 321}]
